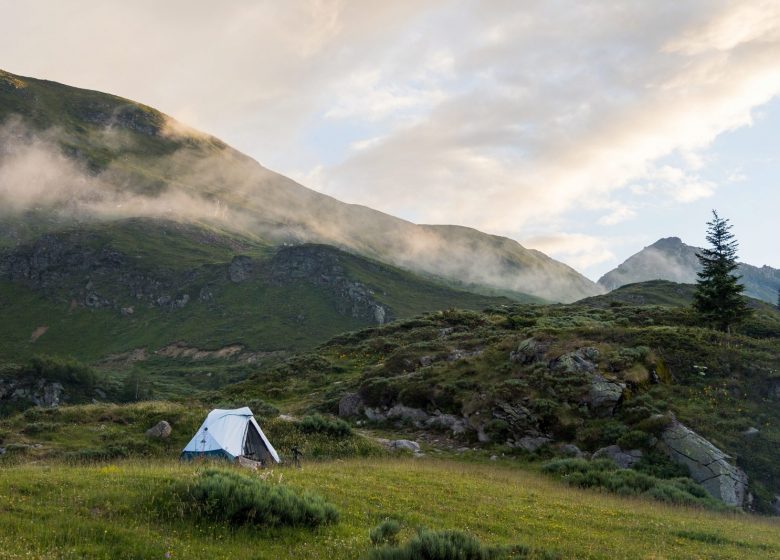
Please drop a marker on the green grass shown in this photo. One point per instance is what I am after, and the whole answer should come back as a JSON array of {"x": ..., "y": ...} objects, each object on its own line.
[{"x": 108, "y": 511}]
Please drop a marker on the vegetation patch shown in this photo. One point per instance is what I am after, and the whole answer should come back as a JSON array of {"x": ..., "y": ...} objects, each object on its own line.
[
  {"x": 228, "y": 496},
  {"x": 606, "y": 475}
]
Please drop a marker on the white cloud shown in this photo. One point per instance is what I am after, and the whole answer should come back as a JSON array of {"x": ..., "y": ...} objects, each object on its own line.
[{"x": 579, "y": 250}]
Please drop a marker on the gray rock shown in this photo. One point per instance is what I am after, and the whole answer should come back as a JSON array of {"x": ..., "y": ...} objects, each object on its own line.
[
  {"x": 494, "y": 457},
  {"x": 751, "y": 432},
  {"x": 528, "y": 351},
  {"x": 531, "y": 444},
  {"x": 579, "y": 361},
  {"x": 374, "y": 414},
  {"x": 622, "y": 458},
  {"x": 519, "y": 418},
  {"x": 405, "y": 444},
  {"x": 708, "y": 465},
  {"x": 570, "y": 450},
  {"x": 350, "y": 405},
  {"x": 776, "y": 505},
  {"x": 240, "y": 269},
  {"x": 162, "y": 430},
  {"x": 604, "y": 395},
  {"x": 2, "y": 450},
  {"x": 417, "y": 416},
  {"x": 450, "y": 421}
]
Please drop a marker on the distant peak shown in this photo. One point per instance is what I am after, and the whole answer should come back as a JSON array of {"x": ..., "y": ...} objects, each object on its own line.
[{"x": 666, "y": 242}]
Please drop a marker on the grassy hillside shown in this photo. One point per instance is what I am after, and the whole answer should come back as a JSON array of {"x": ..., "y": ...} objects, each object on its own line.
[{"x": 109, "y": 511}]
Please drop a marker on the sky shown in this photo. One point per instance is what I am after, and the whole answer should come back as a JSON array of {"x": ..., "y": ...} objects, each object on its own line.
[{"x": 586, "y": 130}]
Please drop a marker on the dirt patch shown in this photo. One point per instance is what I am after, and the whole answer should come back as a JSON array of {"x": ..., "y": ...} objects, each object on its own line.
[
  {"x": 129, "y": 357},
  {"x": 38, "y": 333}
]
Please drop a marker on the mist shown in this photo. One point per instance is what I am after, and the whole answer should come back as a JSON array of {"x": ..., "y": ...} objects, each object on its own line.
[{"x": 212, "y": 184}]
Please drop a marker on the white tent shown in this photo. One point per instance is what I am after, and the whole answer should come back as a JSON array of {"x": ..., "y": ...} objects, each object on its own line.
[{"x": 231, "y": 434}]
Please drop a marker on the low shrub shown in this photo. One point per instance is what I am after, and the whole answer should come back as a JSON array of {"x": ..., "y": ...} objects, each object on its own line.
[
  {"x": 439, "y": 545},
  {"x": 318, "y": 424},
  {"x": 386, "y": 532},
  {"x": 60, "y": 369},
  {"x": 629, "y": 482},
  {"x": 227, "y": 496}
]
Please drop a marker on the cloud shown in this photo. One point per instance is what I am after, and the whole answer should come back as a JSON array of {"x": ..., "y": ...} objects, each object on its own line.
[
  {"x": 582, "y": 251},
  {"x": 505, "y": 118}
]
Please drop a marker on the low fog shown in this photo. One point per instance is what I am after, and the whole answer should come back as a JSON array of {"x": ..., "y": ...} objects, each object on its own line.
[{"x": 223, "y": 188}]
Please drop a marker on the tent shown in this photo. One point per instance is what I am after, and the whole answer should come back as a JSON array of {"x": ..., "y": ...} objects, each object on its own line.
[{"x": 231, "y": 434}]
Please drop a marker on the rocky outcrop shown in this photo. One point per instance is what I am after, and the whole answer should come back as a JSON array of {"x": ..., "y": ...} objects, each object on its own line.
[
  {"x": 604, "y": 395},
  {"x": 240, "y": 269},
  {"x": 625, "y": 459},
  {"x": 38, "y": 392},
  {"x": 708, "y": 465},
  {"x": 528, "y": 351},
  {"x": 321, "y": 266},
  {"x": 161, "y": 430},
  {"x": 582, "y": 360}
]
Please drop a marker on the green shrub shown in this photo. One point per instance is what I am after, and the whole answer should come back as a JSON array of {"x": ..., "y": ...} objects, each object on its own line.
[
  {"x": 61, "y": 369},
  {"x": 629, "y": 482},
  {"x": 386, "y": 532},
  {"x": 439, "y": 545},
  {"x": 227, "y": 496},
  {"x": 318, "y": 424},
  {"x": 634, "y": 439}
]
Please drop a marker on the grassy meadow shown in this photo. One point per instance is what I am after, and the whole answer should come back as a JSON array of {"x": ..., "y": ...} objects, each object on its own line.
[{"x": 113, "y": 510}]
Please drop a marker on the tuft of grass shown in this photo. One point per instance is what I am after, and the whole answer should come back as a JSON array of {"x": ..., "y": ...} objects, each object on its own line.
[
  {"x": 386, "y": 532},
  {"x": 318, "y": 424},
  {"x": 439, "y": 545}
]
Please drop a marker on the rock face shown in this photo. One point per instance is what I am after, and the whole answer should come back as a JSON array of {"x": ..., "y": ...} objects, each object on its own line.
[
  {"x": 406, "y": 445},
  {"x": 39, "y": 392},
  {"x": 623, "y": 459},
  {"x": 604, "y": 395},
  {"x": 322, "y": 266},
  {"x": 240, "y": 269},
  {"x": 707, "y": 464},
  {"x": 162, "y": 430}
]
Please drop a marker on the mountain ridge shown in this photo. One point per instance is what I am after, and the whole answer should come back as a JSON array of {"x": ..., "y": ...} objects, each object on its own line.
[{"x": 671, "y": 259}]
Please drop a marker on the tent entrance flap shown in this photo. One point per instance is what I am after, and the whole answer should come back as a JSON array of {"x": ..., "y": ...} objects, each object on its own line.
[{"x": 254, "y": 446}]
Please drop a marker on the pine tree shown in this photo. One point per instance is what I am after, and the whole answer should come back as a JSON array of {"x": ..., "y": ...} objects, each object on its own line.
[{"x": 718, "y": 297}]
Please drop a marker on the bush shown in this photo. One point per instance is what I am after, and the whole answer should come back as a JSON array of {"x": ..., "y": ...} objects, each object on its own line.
[
  {"x": 59, "y": 369},
  {"x": 439, "y": 545},
  {"x": 629, "y": 482},
  {"x": 227, "y": 496},
  {"x": 386, "y": 532},
  {"x": 318, "y": 424}
]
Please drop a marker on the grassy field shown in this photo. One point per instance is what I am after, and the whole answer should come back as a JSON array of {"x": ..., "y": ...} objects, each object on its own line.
[{"x": 107, "y": 511}]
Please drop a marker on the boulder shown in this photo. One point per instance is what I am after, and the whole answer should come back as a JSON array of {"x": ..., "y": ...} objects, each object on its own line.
[
  {"x": 708, "y": 465},
  {"x": 622, "y": 458},
  {"x": 604, "y": 395},
  {"x": 531, "y": 444},
  {"x": 570, "y": 450},
  {"x": 582, "y": 360},
  {"x": 776, "y": 505},
  {"x": 751, "y": 432},
  {"x": 528, "y": 351},
  {"x": 350, "y": 405},
  {"x": 405, "y": 444},
  {"x": 374, "y": 414},
  {"x": 415, "y": 415},
  {"x": 240, "y": 269},
  {"x": 162, "y": 430}
]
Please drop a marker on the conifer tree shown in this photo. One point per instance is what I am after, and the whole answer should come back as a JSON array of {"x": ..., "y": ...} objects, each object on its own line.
[{"x": 718, "y": 297}]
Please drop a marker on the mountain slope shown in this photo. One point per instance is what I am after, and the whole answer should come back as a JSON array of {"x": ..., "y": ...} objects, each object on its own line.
[
  {"x": 84, "y": 155},
  {"x": 125, "y": 285},
  {"x": 671, "y": 259}
]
